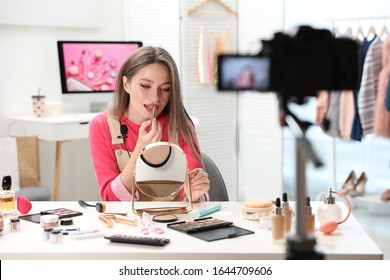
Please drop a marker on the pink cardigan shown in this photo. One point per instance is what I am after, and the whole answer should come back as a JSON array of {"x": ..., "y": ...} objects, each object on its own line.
[{"x": 103, "y": 155}]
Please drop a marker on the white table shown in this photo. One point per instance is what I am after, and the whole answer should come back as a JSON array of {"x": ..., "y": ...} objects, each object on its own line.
[
  {"x": 350, "y": 241},
  {"x": 59, "y": 129}
]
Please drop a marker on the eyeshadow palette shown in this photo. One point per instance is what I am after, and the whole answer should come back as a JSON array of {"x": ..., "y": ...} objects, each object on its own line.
[
  {"x": 209, "y": 229},
  {"x": 61, "y": 212},
  {"x": 199, "y": 225}
]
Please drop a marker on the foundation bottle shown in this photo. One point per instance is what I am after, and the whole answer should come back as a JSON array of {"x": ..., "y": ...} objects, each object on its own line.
[
  {"x": 309, "y": 217},
  {"x": 287, "y": 212},
  {"x": 278, "y": 223},
  {"x": 7, "y": 197}
]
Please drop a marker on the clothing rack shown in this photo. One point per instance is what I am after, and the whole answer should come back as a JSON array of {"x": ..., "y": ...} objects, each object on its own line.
[{"x": 371, "y": 29}]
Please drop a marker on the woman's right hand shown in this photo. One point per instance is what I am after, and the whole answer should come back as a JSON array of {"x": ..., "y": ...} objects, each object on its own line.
[{"x": 149, "y": 132}]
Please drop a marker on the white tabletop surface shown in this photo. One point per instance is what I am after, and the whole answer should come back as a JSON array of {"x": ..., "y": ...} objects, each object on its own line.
[{"x": 350, "y": 241}]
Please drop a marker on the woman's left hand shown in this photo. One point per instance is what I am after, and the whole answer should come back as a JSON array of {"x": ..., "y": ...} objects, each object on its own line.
[{"x": 199, "y": 183}]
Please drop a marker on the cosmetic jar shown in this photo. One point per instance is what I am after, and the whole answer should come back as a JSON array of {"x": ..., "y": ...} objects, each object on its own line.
[
  {"x": 254, "y": 209},
  {"x": 14, "y": 224},
  {"x": 66, "y": 222},
  {"x": 56, "y": 236},
  {"x": 46, "y": 234},
  {"x": 49, "y": 221}
]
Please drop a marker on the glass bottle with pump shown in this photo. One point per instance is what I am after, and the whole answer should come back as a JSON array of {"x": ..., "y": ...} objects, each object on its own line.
[
  {"x": 7, "y": 197},
  {"x": 329, "y": 210}
]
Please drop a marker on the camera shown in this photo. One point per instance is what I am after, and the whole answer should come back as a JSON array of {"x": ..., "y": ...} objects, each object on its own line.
[{"x": 296, "y": 65}]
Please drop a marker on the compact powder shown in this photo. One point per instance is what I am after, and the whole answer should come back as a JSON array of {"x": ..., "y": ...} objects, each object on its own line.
[
  {"x": 254, "y": 209},
  {"x": 49, "y": 221},
  {"x": 164, "y": 218}
]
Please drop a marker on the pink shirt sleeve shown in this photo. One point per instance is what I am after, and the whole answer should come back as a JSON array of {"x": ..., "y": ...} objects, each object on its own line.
[{"x": 104, "y": 161}]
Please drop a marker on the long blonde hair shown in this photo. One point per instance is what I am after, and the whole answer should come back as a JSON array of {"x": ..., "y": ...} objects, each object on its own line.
[{"x": 179, "y": 122}]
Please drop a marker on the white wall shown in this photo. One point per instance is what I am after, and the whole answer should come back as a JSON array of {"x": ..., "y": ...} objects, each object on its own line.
[
  {"x": 29, "y": 59},
  {"x": 322, "y": 14}
]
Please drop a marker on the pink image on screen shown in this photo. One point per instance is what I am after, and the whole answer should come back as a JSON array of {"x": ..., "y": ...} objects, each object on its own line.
[{"x": 94, "y": 66}]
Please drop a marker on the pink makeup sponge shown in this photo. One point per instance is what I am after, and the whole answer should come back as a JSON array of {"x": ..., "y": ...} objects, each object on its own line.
[{"x": 24, "y": 205}]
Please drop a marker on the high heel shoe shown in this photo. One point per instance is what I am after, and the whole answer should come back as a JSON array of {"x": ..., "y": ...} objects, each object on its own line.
[
  {"x": 359, "y": 186},
  {"x": 349, "y": 183},
  {"x": 386, "y": 195}
]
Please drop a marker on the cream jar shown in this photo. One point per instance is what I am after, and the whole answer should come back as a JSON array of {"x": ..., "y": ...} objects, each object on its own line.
[
  {"x": 14, "y": 224},
  {"x": 49, "y": 221},
  {"x": 254, "y": 209}
]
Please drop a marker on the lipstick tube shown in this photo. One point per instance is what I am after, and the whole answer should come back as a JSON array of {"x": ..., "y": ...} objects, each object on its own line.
[
  {"x": 106, "y": 221},
  {"x": 125, "y": 220}
]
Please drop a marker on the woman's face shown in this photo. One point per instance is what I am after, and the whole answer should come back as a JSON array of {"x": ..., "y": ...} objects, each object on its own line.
[{"x": 149, "y": 88}]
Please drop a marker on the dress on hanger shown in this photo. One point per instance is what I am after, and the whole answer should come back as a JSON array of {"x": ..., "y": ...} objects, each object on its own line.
[
  {"x": 369, "y": 84},
  {"x": 382, "y": 116},
  {"x": 357, "y": 131},
  {"x": 347, "y": 113},
  {"x": 334, "y": 114}
]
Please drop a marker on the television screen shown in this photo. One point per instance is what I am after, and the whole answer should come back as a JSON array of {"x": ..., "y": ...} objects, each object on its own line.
[{"x": 91, "y": 67}]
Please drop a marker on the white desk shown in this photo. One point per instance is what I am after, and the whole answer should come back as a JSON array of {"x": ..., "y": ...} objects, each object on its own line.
[
  {"x": 59, "y": 129},
  {"x": 350, "y": 241}
]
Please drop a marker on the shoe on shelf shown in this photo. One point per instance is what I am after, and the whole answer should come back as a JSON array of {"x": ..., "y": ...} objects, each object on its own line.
[
  {"x": 386, "y": 195},
  {"x": 359, "y": 186},
  {"x": 349, "y": 183}
]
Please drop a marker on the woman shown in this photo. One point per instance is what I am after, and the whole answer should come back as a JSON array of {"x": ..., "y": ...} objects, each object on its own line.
[{"x": 148, "y": 83}]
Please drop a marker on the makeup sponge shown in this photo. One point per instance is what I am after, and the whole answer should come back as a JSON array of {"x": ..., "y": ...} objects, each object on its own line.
[{"x": 24, "y": 205}]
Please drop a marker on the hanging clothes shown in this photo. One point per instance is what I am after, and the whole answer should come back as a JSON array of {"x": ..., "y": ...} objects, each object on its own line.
[
  {"x": 205, "y": 57},
  {"x": 347, "y": 113},
  {"x": 322, "y": 106},
  {"x": 334, "y": 114},
  {"x": 369, "y": 85},
  {"x": 209, "y": 47},
  {"x": 357, "y": 131},
  {"x": 347, "y": 108},
  {"x": 387, "y": 98},
  {"x": 382, "y": 116}
]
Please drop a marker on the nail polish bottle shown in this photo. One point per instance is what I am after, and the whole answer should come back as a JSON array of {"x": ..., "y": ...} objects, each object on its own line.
[
  {"x": 278, "y": 223},
  {"x": 287, "y": 212},
  {"x": 329, "y": 210},
  {"x": 309, "y": 217},
  {"x": 7, "y": 197}
]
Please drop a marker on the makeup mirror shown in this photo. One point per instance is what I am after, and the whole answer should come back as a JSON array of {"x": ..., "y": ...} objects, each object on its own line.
[{"x": 160, "y": 173}]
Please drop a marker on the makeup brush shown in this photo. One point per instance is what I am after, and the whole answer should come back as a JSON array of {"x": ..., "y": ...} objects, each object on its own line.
[{"x": 100, "y": 206}]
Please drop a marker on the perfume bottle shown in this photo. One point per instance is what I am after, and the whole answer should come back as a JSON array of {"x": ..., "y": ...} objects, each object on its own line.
[
  {"x": 7, "y": 197},
  {"x": 329, "y": 210},
  {"x": 278, "y": 223},
  {"x": 287, "y": 212},
  {"x": 309, "y": 217}
]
